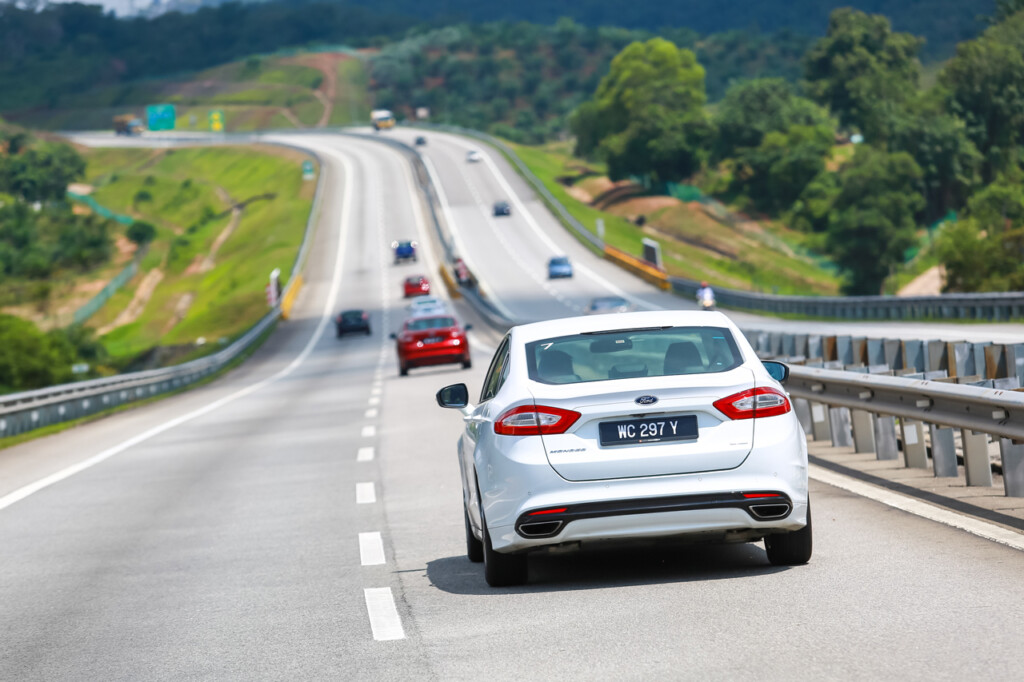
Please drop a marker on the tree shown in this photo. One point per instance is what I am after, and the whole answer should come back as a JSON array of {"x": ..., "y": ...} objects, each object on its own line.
[
  {"x": 871, "y": 224},
  {"x": 41, "y": 172},
  {"x": 986, "y": 89},
  {"x": 30, "y": 359},
  {"x": 648, "y": 113},
  {"x": 861, "y": 70},
  {"x": 141, "y": 232},
  {"x": 940, "y": 145},
  {"x": 751, "y": 109},
  {"x": 774, "y": 173}
]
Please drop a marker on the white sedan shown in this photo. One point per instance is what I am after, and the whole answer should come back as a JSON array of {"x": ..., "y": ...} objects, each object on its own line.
[{"x": 632, "y": 426}]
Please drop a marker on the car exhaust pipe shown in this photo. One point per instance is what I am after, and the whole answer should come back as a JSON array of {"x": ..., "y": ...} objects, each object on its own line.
[
  {"x": 766, "y": 512},
  {"x": 540, "y": 529}
]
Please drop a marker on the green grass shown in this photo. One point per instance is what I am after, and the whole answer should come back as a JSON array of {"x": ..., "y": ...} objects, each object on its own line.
[
  {"x": 769, "y": 260},
  {"x": 229, "y": 298},
  {"x": 352, "y": 100}
]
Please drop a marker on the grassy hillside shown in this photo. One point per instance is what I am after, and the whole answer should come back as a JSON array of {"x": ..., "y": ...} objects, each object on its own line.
[
  {"x": 697, "y": 241},
  {"x": 204, "y": 274},
  {"x": 302, "y": 91}
]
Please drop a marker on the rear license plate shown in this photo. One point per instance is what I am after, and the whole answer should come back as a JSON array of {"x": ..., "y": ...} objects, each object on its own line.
[
  {"x": 433, "y": 339},
  {"x": 656, "y": 430}
]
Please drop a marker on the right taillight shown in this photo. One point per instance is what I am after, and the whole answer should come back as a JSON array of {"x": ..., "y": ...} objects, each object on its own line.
[
  {"x": 753, "y": 403},
  {"x": 534, "y": 420}
]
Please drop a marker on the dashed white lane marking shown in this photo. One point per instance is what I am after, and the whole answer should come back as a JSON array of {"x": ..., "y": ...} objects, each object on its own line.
[
  {"x": 384, "y": 620},
  {"x": 371, "y": 549},
  {"x": 366, "y": 493},
  {"x": 369, "y": 431},
  {"x": 371, "y": 413},
  {"x": 365, "y": 454},
  {"x": 983, "y": 529},
  {"x": 374, "y": 400},
  {"x": 326, "y": 315},
  {"x": 375, "y": 389}
]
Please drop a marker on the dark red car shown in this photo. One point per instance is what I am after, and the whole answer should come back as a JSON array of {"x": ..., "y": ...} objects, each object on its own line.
[
  {"x": 416, "y": 285},
  {"x": 432, "y": 340}
]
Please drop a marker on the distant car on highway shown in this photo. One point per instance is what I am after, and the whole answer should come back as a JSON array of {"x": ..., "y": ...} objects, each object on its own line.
[
  {"x": 559, "y": 267},
  {"x": 474, "y": 156},
  {"x": 349, "y": 321},
  {"x": 432, "y": 340},
  {"x": 609, "y": 304},
  {"x": 420, "y": 141},
  {"x": 404, "y": 250},
  {"x": 426, "y": 304},
  {"x": 658, "y": 426},
  {"x": 416, "y": 285},
  {"x": 502, "y": 208}
]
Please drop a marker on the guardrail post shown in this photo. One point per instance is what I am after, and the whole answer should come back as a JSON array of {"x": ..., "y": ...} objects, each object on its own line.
[
  {"x": 914, "y": 454},
  {"x": 814, "y": 346},
  {"x": 943, "y": 452},
  {"x": 893, "y": 352},
  {"x": 976, "y": 460},
  {"x": 839, "y": 423},
  {"x": 863, "y": 431},
  {"x": 819, "y": 422},
  {"x": 885, "y": 438},
  {"x": 803, "y": 414},
  {"x": 1013, "y": 467}
]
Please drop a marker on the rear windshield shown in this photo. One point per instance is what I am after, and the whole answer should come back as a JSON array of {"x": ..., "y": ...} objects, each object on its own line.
[
  {"x": 632, "y": 353},
  {"x": 429, "y": 323},
  {"x": 559, "y": 261}
]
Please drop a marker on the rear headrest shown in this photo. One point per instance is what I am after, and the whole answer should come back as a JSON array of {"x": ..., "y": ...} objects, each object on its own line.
[{"x": 683, "y": 357}]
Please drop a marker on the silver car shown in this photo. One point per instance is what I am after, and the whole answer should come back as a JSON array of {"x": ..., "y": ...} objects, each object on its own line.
[{"x": 634, "y": 426}]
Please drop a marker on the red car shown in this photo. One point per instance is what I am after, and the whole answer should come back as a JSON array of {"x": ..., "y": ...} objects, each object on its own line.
[
  {"x": 417, "y": 285},
  {"x": 432, "y": 340}
]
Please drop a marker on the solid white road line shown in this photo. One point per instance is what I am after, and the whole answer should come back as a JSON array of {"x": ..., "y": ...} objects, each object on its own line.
[
  {"x": 325, "y": 317},
  {"x": 983, "y": 529},
  {"x": 369, "y": 431},
  {"x": 365, "y": 454},
  {"x": 371, "y": 549},
  {"x": 366, "y": 493},
  {"x": 384, "y": 620}
]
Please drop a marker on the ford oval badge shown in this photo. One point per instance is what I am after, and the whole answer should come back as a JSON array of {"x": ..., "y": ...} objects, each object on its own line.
[{"x": 646, "y": 400}]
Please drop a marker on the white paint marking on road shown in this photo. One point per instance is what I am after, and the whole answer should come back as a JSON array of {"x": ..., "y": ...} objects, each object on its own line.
[
  {"x": 369, "y": 431},
  {"x": 365, "y": 493},
  {"x": 374, "y": 400},
  {"x": 371, "y": 413},
  {"x": 375, "y": 389},
  {"x": 371, "y": 549},
  {"x": 982, "y": 529},
  {"x": 365, "y": 454},
  {"x": 326, "y": 316},
  {"x": 384, "y": 620}
]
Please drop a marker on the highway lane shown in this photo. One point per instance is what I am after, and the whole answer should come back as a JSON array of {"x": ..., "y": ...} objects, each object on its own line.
[{"x": 235, "y": 546}]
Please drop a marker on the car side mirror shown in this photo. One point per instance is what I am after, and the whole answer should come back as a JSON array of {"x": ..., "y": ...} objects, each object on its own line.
[
  {"x": 468, "y": 327},
  {"x": 456, "y": 395},
  {"x": 392, "y": 335},
  {"x": 778, "y": 370}
]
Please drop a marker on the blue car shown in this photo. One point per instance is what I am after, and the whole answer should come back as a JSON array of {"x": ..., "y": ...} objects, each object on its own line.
[
  {"x": 404, "y": 251},
  {"x": 559, "y": 267}
]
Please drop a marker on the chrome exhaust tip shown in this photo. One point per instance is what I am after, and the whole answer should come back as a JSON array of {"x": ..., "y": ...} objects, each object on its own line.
[
  {"x": 768, "y": 512},
  {"x": 540, "y": 529}
]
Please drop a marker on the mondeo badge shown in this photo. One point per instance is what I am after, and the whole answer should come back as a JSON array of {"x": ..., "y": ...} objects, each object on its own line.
[{"x": 646, "y": 400}]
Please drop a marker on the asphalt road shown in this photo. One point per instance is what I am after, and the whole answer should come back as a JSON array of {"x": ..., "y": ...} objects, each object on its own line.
[{"x": 308, "y": 525}]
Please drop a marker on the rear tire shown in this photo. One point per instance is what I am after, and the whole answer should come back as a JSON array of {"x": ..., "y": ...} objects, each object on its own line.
[
  {"x": 403, "y": 370},
  {"x": 793, "y": 548},
  {"x": 502, "y": 570},
  {"x": 467, "y": 363},
  {"x": 474, "y": 547},
  {"x": 367, "y": 331}
]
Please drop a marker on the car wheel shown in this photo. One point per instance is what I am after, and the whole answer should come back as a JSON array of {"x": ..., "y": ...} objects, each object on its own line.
[
  {"x": 502, "y": 570},
  {"x": 474, "y": 548},
  {"x": 367, "y": 331},
  {"x": 467, "y": 363},
  {"x": 790, "y": 549},
  {"x": 403, "y": 370}
]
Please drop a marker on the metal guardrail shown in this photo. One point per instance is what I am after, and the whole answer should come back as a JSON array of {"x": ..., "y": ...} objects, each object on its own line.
[
  {"x": 29, "y": 410},
  {"x": 988, "y": 306}
]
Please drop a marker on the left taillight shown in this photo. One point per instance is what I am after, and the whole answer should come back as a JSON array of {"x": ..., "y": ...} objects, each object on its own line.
[
  {"x": 534, "y": 420},
  {"x": 754, "y": 403}
]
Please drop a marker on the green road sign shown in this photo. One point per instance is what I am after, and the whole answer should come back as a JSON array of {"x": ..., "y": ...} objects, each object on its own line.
[
  {"x": 216, "y": 120},
  {"x": 160, "y": 116},
  {"x": 307, "y": 170}
]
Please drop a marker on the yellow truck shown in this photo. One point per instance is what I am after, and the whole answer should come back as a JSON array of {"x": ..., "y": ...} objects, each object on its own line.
[
  {"x": 382, "y": 119},
  {"x": 127, "y": 124}
]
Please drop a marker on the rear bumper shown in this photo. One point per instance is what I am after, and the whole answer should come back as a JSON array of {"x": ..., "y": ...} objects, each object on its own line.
[{"x": 434, "y": 356}]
